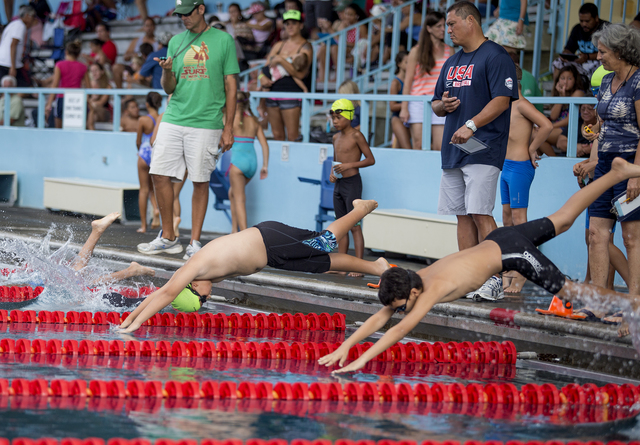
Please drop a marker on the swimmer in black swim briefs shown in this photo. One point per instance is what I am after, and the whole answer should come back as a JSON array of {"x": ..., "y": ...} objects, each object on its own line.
[
  {"x": 249, "y": 251},
  {"x": 507, "y": 248}
]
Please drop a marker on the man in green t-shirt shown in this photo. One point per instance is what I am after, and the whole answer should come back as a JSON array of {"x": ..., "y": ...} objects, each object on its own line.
[{"x": 200, "y": 72}]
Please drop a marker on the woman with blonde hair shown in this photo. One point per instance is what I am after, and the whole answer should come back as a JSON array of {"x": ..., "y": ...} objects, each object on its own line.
[{"x": 244, "y": 161}]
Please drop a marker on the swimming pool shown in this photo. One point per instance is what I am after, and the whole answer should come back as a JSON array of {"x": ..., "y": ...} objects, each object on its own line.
[{"x": 216, "y": 395}]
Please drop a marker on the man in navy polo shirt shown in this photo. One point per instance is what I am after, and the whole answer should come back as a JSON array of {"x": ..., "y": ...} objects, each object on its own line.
[{"x": 474, "y": 91}]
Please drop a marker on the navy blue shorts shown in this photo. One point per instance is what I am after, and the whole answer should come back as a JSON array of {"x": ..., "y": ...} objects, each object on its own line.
[{"x": 601, "y": 207}]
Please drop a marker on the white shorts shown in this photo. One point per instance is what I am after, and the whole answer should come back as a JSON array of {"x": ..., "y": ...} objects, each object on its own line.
[
  {"x": 469, "y": 190},
  {"x": 178, "y": 148},
  {"x": 416, "y": 114}
]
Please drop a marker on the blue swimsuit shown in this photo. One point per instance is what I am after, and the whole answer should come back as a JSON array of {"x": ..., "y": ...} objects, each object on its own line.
[
  {"x": 243, "y": 156},
  {"x": 145, "y": 147}
]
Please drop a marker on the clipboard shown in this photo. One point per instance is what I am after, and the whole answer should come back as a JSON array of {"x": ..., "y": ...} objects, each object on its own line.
[
  {"x": 472, "y": 146},
  {"x": 624, "y": 209}
]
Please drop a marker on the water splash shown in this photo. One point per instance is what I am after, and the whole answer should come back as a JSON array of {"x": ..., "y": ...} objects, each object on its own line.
[{"x": 64, "y": 287}]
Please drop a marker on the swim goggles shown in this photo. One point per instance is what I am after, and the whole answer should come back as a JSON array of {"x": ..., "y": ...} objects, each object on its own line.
[
  {"x": 197, "y": 294},
  {"x": 340, "y": 111},
  {"x": 402, "y": 308}
]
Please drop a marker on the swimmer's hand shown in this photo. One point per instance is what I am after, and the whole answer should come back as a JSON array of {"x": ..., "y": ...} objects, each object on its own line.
[
  {"x": 351, "y": 367},
  {"x": 332, "y": 178},
  {"x": 264, "y": 171},
  {"x": 128, "y": 330},
  {"x": 341, "y": 168},
  {"x": 534, "y": 158},
  {"x": 339, "y": 356}
]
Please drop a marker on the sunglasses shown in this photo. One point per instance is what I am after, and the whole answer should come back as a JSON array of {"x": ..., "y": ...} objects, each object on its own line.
[
  {"x": 186, "y": 15},
  {"x": 402, "y": 308},
  {"x": 339, "y": 112}
]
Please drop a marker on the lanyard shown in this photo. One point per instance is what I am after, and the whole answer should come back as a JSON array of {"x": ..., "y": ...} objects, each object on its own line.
[{"x": 188, "y": 44}]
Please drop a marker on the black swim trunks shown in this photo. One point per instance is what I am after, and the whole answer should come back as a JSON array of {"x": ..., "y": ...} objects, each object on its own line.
[
  {"x": 344, "y": 192},
  {"x": 290, "y": 248},
  {"x": 120, "y": 301},
  {"x": 519, "y": 246}
]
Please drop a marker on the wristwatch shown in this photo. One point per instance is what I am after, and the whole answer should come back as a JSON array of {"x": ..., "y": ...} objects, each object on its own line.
[{"x": 471, "y": 126}]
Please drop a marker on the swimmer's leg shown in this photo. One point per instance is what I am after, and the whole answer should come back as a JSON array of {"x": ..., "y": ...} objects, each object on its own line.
[
  {"x": 341, "y": 262},
  {"x": 97, "y": 229},
  {"x": 583, "y": 198},
  {"x": 361, "y": 208},
  {"x": 134, "y": 270}
]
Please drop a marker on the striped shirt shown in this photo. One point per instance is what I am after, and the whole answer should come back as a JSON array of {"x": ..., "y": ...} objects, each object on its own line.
[{"x": 425, "y": 84}]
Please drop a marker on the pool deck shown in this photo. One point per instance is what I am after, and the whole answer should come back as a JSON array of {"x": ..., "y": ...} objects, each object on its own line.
[{"x": 588, "y": 345}]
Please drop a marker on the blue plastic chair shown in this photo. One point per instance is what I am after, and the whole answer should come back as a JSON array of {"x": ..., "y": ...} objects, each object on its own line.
[
  {"x": 219, "y": 184},
  {"x": 326, "y": 194}
]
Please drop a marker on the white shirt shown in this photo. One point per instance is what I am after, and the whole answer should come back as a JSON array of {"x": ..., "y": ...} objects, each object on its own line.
[{"x": 15, "y": 30}]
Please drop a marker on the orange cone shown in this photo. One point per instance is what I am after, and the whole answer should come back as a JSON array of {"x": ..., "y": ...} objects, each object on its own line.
[{"x": 561, "y": 308}]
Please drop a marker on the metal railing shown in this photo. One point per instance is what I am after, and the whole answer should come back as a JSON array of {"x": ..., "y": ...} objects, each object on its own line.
[
  {"x": 308, "y": 99},
  {"x": 43, "y": 94}
]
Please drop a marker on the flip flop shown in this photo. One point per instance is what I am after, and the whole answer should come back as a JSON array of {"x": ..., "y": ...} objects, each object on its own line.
[
  {"x": 377, "y": 286},
  {"x": 586, "y": 315},
  {"x": 611, "y": 319}
]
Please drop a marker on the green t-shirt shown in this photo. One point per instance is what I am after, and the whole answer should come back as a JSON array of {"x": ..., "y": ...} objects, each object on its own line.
[
  {"x": 199, "y": 96},
  {"x": 530, "y": 87}
]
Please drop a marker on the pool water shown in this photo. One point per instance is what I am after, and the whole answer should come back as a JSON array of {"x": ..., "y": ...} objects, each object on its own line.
[{"x": 27, "y": 416}]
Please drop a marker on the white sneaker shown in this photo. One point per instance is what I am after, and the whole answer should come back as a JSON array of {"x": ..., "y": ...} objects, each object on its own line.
[
  {"x": 491, "y": 290},
  {"x": 160, "y": 245},
  {"x": 191, "y": 249}
]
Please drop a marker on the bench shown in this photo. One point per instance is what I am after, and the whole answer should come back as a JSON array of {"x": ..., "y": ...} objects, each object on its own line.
[
  {"x": 8, "y": 188},
  {"x": 92, "y": 197},
  {"x": 412, "y": 233}
]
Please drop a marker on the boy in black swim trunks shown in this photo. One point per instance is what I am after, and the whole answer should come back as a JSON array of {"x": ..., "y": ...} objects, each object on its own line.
[
  {"x": 349, "y": 145},
  {"x": 244, "y": 253},
  {"x": 506, "y": 248}
]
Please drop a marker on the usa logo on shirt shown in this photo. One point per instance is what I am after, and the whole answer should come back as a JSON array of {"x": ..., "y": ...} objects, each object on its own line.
[
  {"x": 459, "y": 76},
  {"x": 508, "y": 82}
]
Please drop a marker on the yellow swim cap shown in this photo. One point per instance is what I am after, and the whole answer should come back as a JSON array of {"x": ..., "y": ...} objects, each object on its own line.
[
  {"x": 596, "y": 77},
  {"x": 188, "y": 300},
  {"x": 344, "y": 107}
]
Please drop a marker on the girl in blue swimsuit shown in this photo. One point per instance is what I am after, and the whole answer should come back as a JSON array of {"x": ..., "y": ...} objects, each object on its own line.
[
  {"x": 146, "y": 124},
  {"x": 244, "y": 161}
]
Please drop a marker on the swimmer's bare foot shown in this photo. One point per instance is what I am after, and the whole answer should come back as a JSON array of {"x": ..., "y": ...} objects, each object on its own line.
[
  {"x": 625, "y": 169},
  {"x": 143, "y": 229},
  {"x": 516, "y": 284},
  {"x": 355, "y": 275},
  {"x": 335, "y": 272},
  {"x": 100, "y": 225},
  {"x": 155, "y": 221},
  {"x": 138, "y": 270},
  {"x": 369, "y": 204},
  {"x": 623, "y": 330},
  {"x": 382, "y": 265},
  {"x": 176, "y": 225}
]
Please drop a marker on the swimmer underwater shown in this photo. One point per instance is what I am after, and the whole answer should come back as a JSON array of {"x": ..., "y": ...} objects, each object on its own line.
[
  {"x": 269, "y": 243},
  {"x": 504, "y": 249}
]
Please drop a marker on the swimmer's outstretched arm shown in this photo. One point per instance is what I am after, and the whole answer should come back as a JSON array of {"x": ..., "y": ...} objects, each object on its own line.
[
  {"x": 369, "y": 327},
  {"x": 158, "y": 300},
  {"x": 423, "y": 304}
]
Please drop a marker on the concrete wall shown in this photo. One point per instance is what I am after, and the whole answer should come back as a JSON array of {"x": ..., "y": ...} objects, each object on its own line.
[{"x": 400, "y": 179}]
